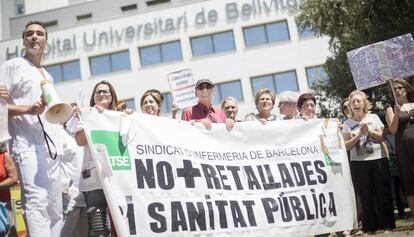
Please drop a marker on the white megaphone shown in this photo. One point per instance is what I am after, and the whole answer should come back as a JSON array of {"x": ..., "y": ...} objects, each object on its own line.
[{"x": 56, "y": 110}]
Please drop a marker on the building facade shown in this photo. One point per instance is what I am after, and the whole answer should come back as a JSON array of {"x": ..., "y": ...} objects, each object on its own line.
[{"x": 241, "y": 45}]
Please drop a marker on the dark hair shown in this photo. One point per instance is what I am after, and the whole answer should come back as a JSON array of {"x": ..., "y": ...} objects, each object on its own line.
[
  {"x": 3, "y": 147},
  {"x": 304, "y": 97},
  {"x": 114, "y": 101},
  {"x": 34, "y": 23},
  {"x": 156, "y": 94},
  {"x": 408, "y": 87},
  {"x": 343, "y": 106}
]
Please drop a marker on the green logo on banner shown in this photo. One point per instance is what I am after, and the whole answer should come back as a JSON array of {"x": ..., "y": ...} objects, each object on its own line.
[
  {"x": 329, "y": 161},
  {"x": 118, "y": 153}
]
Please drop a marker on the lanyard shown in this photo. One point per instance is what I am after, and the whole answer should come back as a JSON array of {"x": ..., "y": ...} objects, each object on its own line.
[{"x": 47, "y": 139}]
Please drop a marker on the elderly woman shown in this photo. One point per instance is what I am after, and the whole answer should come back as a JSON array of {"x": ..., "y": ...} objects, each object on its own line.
[
  {"x": 288, "y": 105},
  {"x": 151, "y": 102},
  {"x": 230, "y": 107},
  {"x": 265, "y": 101},
  {"x": 363, "y": 136},
  {"x": 307, "y": 106},
  {"x": 103, "y": 98},
  {"x": 401, "y": 124}
]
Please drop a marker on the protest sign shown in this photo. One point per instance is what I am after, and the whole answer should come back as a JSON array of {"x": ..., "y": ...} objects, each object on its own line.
[
  {"x": 4, "y": 128},
  {"x": 374, "y": 64},
  {"x": 166, "y": 177},
  {"x": 182, "y": 88}
]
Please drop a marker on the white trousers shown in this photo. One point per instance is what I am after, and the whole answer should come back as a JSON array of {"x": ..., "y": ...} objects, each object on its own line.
[{"x": 41, "y": 187}]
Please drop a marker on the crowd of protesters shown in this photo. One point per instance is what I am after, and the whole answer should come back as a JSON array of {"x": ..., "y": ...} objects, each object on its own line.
[{"x": 52, "y": 159}]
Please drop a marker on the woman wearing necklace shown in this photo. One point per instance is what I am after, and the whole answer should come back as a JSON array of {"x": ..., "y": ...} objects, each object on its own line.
[
  {"x": 401, "y": 124},
  {"x": 362, "y": 133}
]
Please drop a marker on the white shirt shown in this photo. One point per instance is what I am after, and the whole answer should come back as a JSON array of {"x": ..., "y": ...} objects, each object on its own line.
[
  {"x": 22, "y": 79},
  {"x": 366, "y": 148}
]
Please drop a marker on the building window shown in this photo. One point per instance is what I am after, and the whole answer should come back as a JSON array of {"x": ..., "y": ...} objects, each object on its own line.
[
  {"x": 160, "y": 53},
  {"x": 267, "y": 33},
  {"x": 156, "y": 2},
  {"x": 214, "y": 43},
  {"x": 130, "y": 103},
  {"x": 305, "y": 32},
  {"x": 64, "y": 71},
  {"x": 84, "y": 17},
  {"x": 110, "y": 63},
  {"x": 129, "y": 7},
  {"x": 167, "y": 103},
  {"x": 50, "y": 23},
  {"x": 278, "y": 82},
  {"x": 19, "y": 7},
  {"x": 314, "y": 74},
  {"x": 222, "y": 90}
]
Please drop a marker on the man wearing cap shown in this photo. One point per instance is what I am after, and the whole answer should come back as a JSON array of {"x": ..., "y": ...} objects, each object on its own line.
[
  {"x": 204, "y": 112},
  {"x": 34, "y": 141}
]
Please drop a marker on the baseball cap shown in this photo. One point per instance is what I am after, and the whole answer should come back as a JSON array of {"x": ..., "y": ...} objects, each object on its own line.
[{"x": 201, "y": 81}]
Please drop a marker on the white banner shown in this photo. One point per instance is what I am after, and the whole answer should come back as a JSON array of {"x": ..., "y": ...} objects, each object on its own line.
[
  {"x": 391, "y": 59},
  {"x": 4, "y": 128},
  {"x": 287, "y": 178},
  {"x": 182, "y": 88}
]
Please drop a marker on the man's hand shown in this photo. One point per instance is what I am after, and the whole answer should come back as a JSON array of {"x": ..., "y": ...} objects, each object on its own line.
[
  {"x": 36, "y": 108},
  {"x": 4, "y": 93},
  {"x": 206, "y": 122}
]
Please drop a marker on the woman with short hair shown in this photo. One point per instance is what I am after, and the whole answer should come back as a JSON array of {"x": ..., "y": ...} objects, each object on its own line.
[{"x": 265, "y": 101}]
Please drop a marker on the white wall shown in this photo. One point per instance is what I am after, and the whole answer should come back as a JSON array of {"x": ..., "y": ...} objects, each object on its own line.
[{"x": 32, "y": 6}]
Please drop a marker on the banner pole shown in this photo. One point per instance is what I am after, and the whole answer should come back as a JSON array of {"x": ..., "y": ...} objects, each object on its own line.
[{"x": 393, "y": 92}]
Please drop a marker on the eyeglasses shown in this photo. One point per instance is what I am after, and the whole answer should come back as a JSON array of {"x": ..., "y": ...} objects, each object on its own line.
[
  {"x": 105, "y": 92},
  {"x": 311, "y": 105}
]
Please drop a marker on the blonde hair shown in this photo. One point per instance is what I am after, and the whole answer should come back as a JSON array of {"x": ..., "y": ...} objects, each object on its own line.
[
  {"x": 260, "y": 92},
  {"x": 367, "y": 103}
]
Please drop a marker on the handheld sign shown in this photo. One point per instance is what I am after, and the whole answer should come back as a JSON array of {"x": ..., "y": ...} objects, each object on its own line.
[
  {"x": 182, "y": 88},
  {"x": 374, "y": 64}
]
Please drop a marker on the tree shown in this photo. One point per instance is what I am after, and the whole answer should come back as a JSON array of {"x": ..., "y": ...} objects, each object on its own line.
[{"x": 351, "y": 24}]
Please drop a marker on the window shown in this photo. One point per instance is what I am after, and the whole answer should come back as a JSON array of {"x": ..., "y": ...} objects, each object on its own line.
[
  {"x": 214, "y": 43},
  {"x": 160, "y": 53},
  {"x": 278, "y": 82},
  {"x": 156, "y": 2},
  {"x": 267, "y": 33},
  {"x": 50, "y": 23},
  {"x": 305, "y": 32},
  {"x": 84, "y": 17},
  {"x": 315, "y": 74},
  {"x": 110, "y": 63},
  {"x": 19, "y": 7},
  {"x": 167, "y": 103},
  {"x": 129, "y": 7},
  {"x": 64, "y": 71},
  {"x": 227, "y": 89},
  {"x": 130, "y": 103}
]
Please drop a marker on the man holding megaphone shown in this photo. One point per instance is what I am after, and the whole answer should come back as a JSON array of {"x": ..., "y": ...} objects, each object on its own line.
[{"x": 34, "y": 144}]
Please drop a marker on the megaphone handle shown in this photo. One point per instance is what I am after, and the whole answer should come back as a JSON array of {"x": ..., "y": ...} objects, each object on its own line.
[{"x": 47, "y": 139}]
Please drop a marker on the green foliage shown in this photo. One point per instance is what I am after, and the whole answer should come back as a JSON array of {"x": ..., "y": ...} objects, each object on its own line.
[{"x": 351, "y": 24}]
